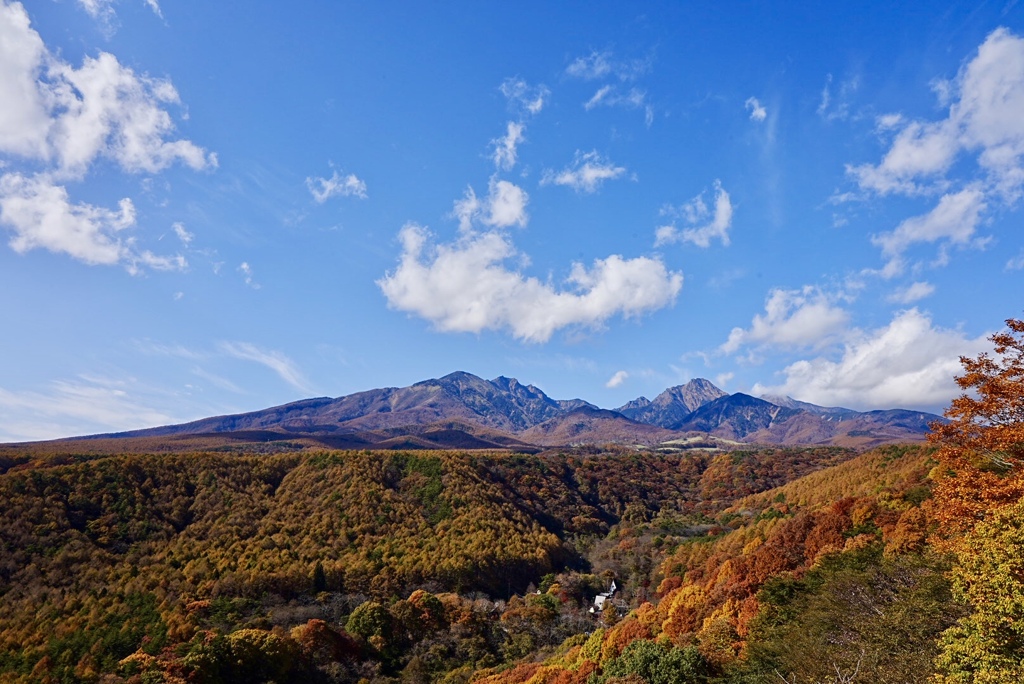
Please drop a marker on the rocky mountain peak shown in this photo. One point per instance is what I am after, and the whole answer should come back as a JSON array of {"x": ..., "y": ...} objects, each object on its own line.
[{"x": 670, "y": 408}]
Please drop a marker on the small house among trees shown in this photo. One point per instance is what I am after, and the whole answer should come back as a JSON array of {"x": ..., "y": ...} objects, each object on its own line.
[{"x": 601, "y": 598}]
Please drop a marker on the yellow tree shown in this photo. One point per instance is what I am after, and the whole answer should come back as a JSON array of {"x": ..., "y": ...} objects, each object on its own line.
[{"x": 987, "y": 646}]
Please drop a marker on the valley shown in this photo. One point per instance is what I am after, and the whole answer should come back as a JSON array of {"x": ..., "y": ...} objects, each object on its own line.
[{"x": 693, "y": 558}]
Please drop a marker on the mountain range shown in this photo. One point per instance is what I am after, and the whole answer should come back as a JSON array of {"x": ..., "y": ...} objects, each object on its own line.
[{"x": 463, "y": 411}]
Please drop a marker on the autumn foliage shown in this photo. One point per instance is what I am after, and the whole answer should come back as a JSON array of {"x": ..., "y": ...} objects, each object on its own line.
[
  {"x": 760, "y": 564},
  {"x": 980, "y": 504}
]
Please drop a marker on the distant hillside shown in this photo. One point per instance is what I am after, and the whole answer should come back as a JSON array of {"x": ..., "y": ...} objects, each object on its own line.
[
  {"x": 736, "y": 416},
  {"x": 463, "y": 411},
  {"x": 595, "y": 426}
]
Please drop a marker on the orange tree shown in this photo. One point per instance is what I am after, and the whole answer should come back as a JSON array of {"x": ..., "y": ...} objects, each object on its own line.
[
  {"x": 980, "y": 508},
  {"x": 982, "y": 445}
]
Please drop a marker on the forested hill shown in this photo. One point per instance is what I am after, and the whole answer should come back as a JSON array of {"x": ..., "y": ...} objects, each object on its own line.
[
  {"x": 102, "y": 557},
  {"x": 589, "y": 565}
]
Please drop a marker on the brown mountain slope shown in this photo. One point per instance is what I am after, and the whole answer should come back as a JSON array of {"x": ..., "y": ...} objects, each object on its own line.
[
  {"x": 855, "y": 430},
  {"x": 595, "y": 426}
]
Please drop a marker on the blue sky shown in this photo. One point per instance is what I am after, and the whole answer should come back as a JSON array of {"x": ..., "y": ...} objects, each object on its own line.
[{"x": 207, "y": 210}]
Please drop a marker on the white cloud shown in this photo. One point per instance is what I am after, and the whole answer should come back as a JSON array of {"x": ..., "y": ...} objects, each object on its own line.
[
  {"x": 694, "y": 212},
  {"x": 504, "y": 206},
  {"x": 952, "y": 221},
  {"x": 276, "y": 361},
  {"x": 528, "y": 99},
  {"x": 57, "y": 114},
  {"x": 807, "y": 317},
  {"x": 723, "y": 379},
  {"x": 985, "y": 100},
  {"x": 617, "y": 379},
  {"x": 909, "y": 363},
  {"x": 41, "y": 215},
  {"x": 757, "y": 111},
  {"x": 155, "y": 6},
  {"x": 82, "y": 406},
  {"x": 505, "y": 147},
  {"x": 24, "y": 117},
  {"x": 183, "y": 234},
  {"x": 61, "y": 120},
  {"x": 465, "y": 286},
  {"x": 323, "y": 189},
  {"x": 246, "y": 270},
  {"x": 919, "y": 152},
  {"x": 104, "y": 109},
  {"x": 912, "y": 293},
  {"x": 587, "y": 172},
  {"x": 991, "y": 89}
]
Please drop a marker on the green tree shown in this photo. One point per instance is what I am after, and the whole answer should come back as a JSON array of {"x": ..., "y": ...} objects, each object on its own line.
[{"x": 658, "y": 665}]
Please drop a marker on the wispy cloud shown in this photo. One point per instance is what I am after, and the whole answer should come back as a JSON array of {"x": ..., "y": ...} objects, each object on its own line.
[
  {"x": 757, "y": 111},
  {"x": 79, "y": 406},
  {"x": 183, "y": 234},
  {"x": 216, "y": 380},
  {"x": 953, "y": 221},
  {"x": 246, "y": 270},
  {"x": 337, "y": 185},
  {"x": 504, "y": 155},
  {"x": 103, "y": 10},
  {"x": 912, "y": 293},
  {"x": 617, "y": 379},
  {"x": 1016, "y": 263},
  {"x": 611, "y": 96},
  {"x": 155, "y": 6},
  {"x": 836, "y": 106},
  {"x": 523, "y": 97},
  {"x": 587, "y": 173},
  {"x": 276, "y": 361},
  {"x": 603, "y": 64},
  {"x": 152, "y": 348}
]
